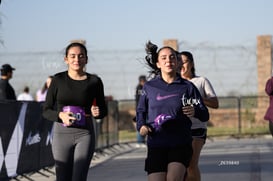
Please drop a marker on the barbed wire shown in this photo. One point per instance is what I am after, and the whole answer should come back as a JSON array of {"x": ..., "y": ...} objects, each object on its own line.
[{"x": 232, "y": 69}]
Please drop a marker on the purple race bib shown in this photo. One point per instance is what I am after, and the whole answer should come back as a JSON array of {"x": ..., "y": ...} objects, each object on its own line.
[{"x": 78, "y": 113}]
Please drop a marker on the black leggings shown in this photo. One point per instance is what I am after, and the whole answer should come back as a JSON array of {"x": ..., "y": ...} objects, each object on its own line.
[{"x": 73, "y": 153}]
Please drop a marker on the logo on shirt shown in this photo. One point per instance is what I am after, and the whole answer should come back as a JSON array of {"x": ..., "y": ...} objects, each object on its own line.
[
  {"x": 160, "y": 98},
  {"x": 161, "y": 119},
  {"x": 189, "y": 101}
]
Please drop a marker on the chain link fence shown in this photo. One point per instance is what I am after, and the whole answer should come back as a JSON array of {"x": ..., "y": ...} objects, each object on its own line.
[
  {"x": 232, "y": 70},
  {"x": 236, "y": 116}
]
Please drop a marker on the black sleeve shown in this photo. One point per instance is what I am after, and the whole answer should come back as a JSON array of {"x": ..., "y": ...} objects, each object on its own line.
[
  {"x": 12, "y": 94},
  {"x": 3, "y": 87},
  {"x": 100, "y": 100},
  {"x": 201, "y": 111},
  {"x": 49, "y": 108}
]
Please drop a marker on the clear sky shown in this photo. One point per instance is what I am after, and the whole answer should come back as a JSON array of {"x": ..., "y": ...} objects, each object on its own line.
[{"x": 32, "y": 25}]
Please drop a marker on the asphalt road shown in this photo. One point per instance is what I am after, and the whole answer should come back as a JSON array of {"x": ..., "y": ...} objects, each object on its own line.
[
  {"x": 226, "y": 159},
  {"x": 244, "y": 160}
]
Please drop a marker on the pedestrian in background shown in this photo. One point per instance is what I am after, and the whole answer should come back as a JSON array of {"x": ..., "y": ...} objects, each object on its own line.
[
  {"x": 41, "y": 93},
  {"x": 73, "y": 99},
  {"x": 25, "y": 95},
  {"x": 165, "y": 106},
  {"x": 199, "y": 127},
  {"x": 269, "y": 113},
  {"x": 6, "y": 90}
]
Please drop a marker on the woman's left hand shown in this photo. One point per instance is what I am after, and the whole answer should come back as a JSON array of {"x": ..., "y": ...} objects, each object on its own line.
[
  {"x": 188, "y": 111},
  {"x": 95, "y": 111}
]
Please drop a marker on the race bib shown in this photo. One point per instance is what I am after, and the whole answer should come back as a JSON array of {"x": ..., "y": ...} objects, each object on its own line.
[{"x": 78, "y": 113}]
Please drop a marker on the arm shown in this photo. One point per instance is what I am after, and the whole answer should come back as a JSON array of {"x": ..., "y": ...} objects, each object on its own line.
[
  {"x": 50, "y": 111},
  {"x": 142, "y": 110},
  {"x": 99, "y": 108},
  {"x": 269, "y": 87},
  {"x": 50, "y": 108},
  {"x": 200, "y": 110},
  {"x": 211, "y": 102},
  {"x": 141, "y": 116},
  {"x": 210, "y": 99}
]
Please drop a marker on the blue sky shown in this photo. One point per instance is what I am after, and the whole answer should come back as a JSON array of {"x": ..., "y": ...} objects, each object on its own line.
[{"x": 31, "y": 25}]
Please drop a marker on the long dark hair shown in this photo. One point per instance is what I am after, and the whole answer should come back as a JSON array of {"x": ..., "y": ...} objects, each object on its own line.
[
  {"x": 45, "y": 87},
  {"x": 152, "y": 57},
  {"x": 190, "y": 58}
]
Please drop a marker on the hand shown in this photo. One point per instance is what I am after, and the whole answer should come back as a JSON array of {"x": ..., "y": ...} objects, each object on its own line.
[
  {"x": 188, "y": 111},
  {"x": 95, "y": 111},
  {"x": 67, "y": 118},
  {"x": 144, "y": 130}
]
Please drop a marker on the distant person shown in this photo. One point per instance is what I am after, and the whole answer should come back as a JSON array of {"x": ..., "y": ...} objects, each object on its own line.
[
  {"x": 6, "y": 90},
  {"x": 41, "y": 93},
  {"x": 73, "y": 99},
  {"x": 199, "y": 127},
  {"x": 141, "y": 81},
  {"x": 269, "y": 113},
  {"x": 25, "y": 95},
  {"x": 163, "y": 114}
]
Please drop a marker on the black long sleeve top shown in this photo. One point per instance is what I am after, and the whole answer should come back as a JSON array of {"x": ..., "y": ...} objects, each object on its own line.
[{"x": 64, "y": 91}]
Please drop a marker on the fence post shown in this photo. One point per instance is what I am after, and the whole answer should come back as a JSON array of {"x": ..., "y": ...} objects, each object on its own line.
[
  {"x": 107, "y": 127},
  {"x": 239, "y": 117}
]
